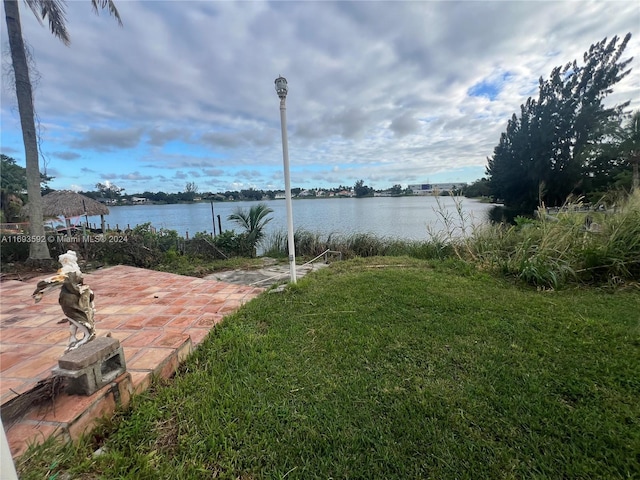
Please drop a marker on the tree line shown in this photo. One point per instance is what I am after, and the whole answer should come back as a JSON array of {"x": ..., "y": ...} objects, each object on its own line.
[
  {"x": 567, "y": 141},
  {"x": 191, "y": 193}
]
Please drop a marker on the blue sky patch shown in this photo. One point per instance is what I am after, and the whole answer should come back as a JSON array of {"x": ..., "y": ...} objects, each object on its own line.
[{"x": 489, "y": 87}]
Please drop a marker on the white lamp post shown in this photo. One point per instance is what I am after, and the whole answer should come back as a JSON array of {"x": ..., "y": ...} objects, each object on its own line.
[{"x": 281, "y": 90}]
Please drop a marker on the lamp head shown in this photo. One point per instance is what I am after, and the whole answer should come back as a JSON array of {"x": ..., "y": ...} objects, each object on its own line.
[{"x": 281, "y": 87}]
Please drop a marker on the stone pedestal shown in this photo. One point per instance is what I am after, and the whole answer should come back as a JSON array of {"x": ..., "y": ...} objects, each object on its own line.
[{"x": 91, "y": 366}]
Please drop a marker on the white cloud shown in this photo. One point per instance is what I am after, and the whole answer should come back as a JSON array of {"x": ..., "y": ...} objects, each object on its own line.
[{"x": 382, "y": 91}]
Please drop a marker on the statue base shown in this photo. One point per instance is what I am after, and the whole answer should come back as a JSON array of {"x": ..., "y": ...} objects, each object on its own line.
[{"x": 91, "y": 366}]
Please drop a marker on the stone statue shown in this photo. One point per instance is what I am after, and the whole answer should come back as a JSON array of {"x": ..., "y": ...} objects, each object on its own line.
[{"x": 76, "y": 299}]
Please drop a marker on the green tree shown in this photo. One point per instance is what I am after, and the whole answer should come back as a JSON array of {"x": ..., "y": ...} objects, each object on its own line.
[
  {"x": 629, "y": 147},
  {"x": 190, "y": 192},
  {"x": 13, "y": 184},
  {"x": 362, "y": 190},
  {"x": 613, "y": 164},
  {"x": 53, "y": 10},
  {"x": 604, "y": 172},
  {"x": 396, "y": 189},
  {"x": 13, "y": 180},
  {"x": 191, "y": 187},
  {"x": 251, "y": 194},
  {"x": 479, "y": 188},
  {"x": 110, "y": 190},
  {"x": 253, "y": 221},
  {"x": 510, "y": 165},
  {"x": 540, "y": 158}
]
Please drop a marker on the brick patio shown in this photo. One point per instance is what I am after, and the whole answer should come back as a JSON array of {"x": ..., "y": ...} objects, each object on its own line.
[{"x": 158, "y": 318}]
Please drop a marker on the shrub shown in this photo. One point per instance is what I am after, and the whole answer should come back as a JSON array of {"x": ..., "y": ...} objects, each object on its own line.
[
  {"x": 311, "y": 245},
  {"x": 234, "y": 244},
  {"x": 13, "y": 251}
]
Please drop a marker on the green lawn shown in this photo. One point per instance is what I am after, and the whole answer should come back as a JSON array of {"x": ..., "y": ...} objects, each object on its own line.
[{"x": 390, "y": 368}]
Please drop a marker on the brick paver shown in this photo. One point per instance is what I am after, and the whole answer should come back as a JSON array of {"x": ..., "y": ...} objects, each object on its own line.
[{"x": 158, "y": 317}]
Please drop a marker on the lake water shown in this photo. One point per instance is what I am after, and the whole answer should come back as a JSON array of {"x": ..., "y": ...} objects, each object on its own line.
[{"x": 407, "y": 218}]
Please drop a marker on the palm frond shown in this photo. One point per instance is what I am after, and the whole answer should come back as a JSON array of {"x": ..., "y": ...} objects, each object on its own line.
[
  {"x": 113, "y": 11},
  {"x": 55, "y": 11},
  {"x": 253, "y": 221},
  {"x": 241, "y": 218}
]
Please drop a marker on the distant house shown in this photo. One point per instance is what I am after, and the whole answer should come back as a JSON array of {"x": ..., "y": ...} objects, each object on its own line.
[
  {"x": 139, "y": 200},
  {"x": 280, "y": 196},
  {"x": 306, "y": 193},
  {"x": 432, "y": 188}
]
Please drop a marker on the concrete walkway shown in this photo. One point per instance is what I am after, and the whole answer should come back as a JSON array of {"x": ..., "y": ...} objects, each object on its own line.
[
  {"x": 270, "y": 274},
  {"x": 158, "y": 318}
]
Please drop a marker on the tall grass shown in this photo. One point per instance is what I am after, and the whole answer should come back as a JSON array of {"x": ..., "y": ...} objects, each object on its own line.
[
  {"x": 601, "y": 247},
  {"x": 454, "y": 229},
  {"x": 308, "y": 244}
]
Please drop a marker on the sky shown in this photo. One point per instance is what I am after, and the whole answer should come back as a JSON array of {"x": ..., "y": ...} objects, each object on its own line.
[{"x": 390, "y": 92}]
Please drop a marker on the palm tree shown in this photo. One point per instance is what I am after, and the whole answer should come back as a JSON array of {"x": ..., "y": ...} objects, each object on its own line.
[
  {"x": 253, "y": 222},
  {"x": 54, "y": 11}
]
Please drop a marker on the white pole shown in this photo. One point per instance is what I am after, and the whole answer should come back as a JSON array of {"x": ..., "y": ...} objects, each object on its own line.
[
  {"x": 287, "y": 189},
  {"x": 7, "y": 468}
]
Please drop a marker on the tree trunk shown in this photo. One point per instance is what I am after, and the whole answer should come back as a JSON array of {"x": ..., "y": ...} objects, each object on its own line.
[
  {"x": 635, "y": 179},
  {"x": 38, "y": 249}
]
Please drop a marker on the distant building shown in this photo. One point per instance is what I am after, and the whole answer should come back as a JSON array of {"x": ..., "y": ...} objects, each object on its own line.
[
  {"x": 139, "y": 200},
  {"x": 433, "y": 188}
]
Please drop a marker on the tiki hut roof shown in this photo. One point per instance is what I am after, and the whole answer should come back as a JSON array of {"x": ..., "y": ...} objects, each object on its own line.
[{"x": 69, "y": 204}]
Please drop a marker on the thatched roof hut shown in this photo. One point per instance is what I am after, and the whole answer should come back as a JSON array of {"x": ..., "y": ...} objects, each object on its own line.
[{"x": 70, "y": 204}]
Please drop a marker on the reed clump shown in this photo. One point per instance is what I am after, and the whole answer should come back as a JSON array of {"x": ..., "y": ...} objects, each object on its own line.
[
  {"x": 310, "y": 245},
  {"x": 574, "y": 245}
]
